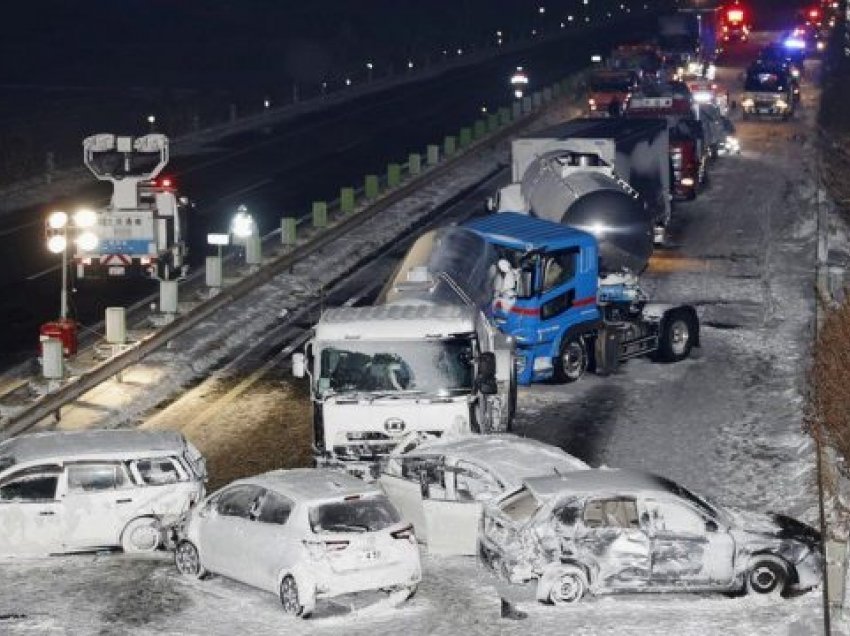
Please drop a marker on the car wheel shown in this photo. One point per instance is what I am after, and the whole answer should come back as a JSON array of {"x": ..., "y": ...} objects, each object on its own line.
[
  {"x": 571, "y": 362},
  {"x": 676, "y": 338},
  {"x": 188, "y": 560},
  {"x": 568, "y": 587},
  {"x": 290, "y": 598},
  {"x": 766, "y": 576},
  {"x": 142, "y": 535}
]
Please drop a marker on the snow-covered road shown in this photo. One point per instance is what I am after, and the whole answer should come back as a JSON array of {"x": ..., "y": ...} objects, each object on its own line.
[{"x": 726, "y": 422}]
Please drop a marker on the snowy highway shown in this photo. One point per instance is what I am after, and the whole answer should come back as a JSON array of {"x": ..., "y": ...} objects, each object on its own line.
[{"x": 725, "y": 423}]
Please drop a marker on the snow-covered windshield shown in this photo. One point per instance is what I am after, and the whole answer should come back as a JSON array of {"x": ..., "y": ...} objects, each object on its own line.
[
  {"x": 355, "y": 515},
  {"x": 442, "y": 367}
]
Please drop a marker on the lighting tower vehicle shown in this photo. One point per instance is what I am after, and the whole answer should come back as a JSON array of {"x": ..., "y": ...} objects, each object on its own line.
[{"x": 143, "y": 229}]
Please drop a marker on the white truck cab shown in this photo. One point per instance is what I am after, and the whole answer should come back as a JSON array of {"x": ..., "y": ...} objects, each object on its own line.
[{"x": 380, "y": 374}]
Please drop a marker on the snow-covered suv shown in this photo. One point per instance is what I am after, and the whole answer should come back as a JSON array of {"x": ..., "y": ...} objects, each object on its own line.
[
  {"x": 302, "y": 534},
  {"x": 603, "y": 531}
]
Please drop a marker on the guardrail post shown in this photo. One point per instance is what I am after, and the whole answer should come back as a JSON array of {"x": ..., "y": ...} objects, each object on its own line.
[
  {"x": 504, "y": 116},
  {"x": 527, "y": 104},
  {"x": 547, "y": 94},
  {"x": 371, "y": 187},
  {"x": 116, "y": 324},
  {"x": 168, "y": 297},
  {"x": 393, "y": 175},
  {"x": 836, "y": 571},
  {"x": 320, "y": 214},
  {"x": 537, "y": 99},
  {"x": 414, "y": 163},
  {"x": 449, "y": 146},
  {"x": 556, "y": 90},
  {"x": 288, "y": 230},
  {"x": 346, "y": 200},
  {"x": 52, "y": 359},
  {"x": 566, "y": 85},
  {"x": 433, "y": 153},
  {"x": 516, "y": 110},
  {"x": 213, "y": 276},
  {"x": 465, "y": 136},
  {"x": 254, "y": 250},
  {"x": 492, "y": 123},
  {"x": 479, "y": 129}
]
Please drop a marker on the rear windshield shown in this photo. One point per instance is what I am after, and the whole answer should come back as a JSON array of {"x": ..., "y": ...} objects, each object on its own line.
[
  {"x": 520, "y": 506},
  {"x": 355, "y": 515}
]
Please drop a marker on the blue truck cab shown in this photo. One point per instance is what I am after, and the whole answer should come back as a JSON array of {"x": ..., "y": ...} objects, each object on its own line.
[
  {"x": 564, "y": 318},
  {"x": 556, "y": 293}
]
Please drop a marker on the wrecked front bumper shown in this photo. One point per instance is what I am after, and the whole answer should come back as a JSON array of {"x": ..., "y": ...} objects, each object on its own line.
[{"x": 809, "y": 571}]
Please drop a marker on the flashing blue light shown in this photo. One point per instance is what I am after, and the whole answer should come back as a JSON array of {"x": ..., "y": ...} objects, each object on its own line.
[{"x": 794, "y": 43}]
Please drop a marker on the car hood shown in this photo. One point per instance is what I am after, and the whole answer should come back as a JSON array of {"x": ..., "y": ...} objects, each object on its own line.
[{"x": 758, "y": 525}]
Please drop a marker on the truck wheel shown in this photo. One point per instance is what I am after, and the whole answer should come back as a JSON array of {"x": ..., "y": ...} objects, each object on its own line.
[
  {"x": 571, "y": 362},
  {"x": 676, "y": 338}
]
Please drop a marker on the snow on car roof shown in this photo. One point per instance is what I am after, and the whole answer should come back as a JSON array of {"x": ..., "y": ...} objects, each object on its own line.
[
  {"x": 510, "y": 457},
  {"x": 313, "y": 484},
  {"x": 597, "y": 480},
  {"x": 61, "y": 444}
]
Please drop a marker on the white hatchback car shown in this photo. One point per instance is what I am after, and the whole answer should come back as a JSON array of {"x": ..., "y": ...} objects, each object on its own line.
[
  {"x": 303, "y": 534},
  {"x": 86, "y": 490}
]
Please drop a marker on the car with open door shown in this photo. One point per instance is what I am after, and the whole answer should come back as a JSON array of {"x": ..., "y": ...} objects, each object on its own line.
[
  {"x": 560, "y": 537},
  {"x": 303, "y": 534},
  {"x": 441, "y": 485},
  {"x": 64, "y": 491}
]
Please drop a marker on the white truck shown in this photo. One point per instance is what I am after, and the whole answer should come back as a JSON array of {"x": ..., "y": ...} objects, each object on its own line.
[
  {"x": 382, "y": 374},
  {"x": 143, "y": 230}
]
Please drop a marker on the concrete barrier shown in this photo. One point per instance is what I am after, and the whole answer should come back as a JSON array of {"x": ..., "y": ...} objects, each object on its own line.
[
  {"x": 393, "y": 175},
  {"x": 346, "y": 200},
  {"x": 465, "y": 136},
  {"x": 288, "y": 230},
  {"x": 371, "y": 187},
  {"x": 449, "y": 146},
  {"x": 433, "y": 154},
  {"x": 479, "y": 129},
  {"x": 320, "y": 214},
  {"x": 414, "y": 163}
]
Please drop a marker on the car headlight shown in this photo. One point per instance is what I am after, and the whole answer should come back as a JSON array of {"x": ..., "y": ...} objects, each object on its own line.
[
  {"x": 748, "y": 103},
  {"x": 687, "y": 182},
  {"x": 781, "y": 104}
]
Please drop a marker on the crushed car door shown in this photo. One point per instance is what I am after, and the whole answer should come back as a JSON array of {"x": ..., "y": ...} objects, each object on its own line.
[
  {"x": 612, "y": 536},
  {"x": 452, "y": 526},
  {"x": 30, "y": 513}
]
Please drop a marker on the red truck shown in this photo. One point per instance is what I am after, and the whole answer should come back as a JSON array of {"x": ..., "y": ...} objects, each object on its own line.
[
  {"x": 689, "y": 154},
  {"x": 609, "y": 92}
]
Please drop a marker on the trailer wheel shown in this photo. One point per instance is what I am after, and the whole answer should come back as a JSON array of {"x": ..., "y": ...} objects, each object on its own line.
[
  {"x": 677, "y": 336},
  {"x": 572, "y": 360}
]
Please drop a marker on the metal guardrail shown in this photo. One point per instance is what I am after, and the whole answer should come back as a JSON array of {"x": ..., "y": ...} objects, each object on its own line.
[{"x": 52, "y": 403}]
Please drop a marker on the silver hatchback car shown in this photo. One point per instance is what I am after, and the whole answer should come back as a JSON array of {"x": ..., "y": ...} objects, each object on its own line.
[{"x": 604, "y": 531}]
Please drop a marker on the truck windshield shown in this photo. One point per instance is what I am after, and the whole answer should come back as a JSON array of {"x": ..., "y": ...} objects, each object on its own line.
[
  {"x": 765, "y": 83},
  {"x": 609, "y": 85},
  {"x": 441, "y": 367}
]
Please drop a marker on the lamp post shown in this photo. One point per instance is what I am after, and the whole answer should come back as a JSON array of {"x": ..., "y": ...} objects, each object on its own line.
[
  {"x": 369, "y": 68},
  {"x": 78, "y": 226},
  {"x": 152, "y": 122}
]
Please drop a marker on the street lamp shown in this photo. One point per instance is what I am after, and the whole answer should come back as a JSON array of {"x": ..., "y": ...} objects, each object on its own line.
[
  {"x": 59, "y": 226},
  {"x": 152, "y": 122},
  {"x": 242, "y": 225},
  {"x": 369, "y": 68}
]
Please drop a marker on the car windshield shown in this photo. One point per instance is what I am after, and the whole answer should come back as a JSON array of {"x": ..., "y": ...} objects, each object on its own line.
[
  {"x": 354, "y": 515},
  {"x": 710, "y": 508},
  {"x": 441, "y": 367},
  {"x": 765, "y": 82}
]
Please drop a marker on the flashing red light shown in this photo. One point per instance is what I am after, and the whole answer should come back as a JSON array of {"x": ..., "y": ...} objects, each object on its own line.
[
  {"x": 735, "y": 15},
  {"x": 165, "y": 183}
]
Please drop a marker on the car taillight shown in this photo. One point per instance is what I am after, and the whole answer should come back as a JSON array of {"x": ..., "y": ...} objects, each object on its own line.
[
  {"x": 404, "y": 533},
  {"x": 319, "y": 549}
]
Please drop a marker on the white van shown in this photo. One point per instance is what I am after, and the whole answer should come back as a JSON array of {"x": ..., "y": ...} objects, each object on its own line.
[{"x": 87, "y": 490}]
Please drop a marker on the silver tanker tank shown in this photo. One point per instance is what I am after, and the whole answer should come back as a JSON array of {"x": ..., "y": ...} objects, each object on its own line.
[{"x": 574, "y": 189}]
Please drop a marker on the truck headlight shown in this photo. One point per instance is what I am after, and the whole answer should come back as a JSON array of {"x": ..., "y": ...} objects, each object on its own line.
[
  {"x": 781, "y": 104},
  {"x": 687, "y": 182},
  {"x": 748, "y": 103}
]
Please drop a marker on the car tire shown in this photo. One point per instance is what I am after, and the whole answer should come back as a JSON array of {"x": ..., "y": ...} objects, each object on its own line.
[
  {"x": 290, "y": 598},
  {"x": 676, "y": 338},
  {"x": 568, "y": 586},
  {"x": 572, "y": 360},
  {"x": 141, "y": 535},
  {"x": 187, "y": 559},
  {"x": 766, "y": 576}
]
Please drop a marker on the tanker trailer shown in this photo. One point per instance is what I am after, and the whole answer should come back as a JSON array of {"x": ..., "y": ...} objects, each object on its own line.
[{"x": 608, "y": 177}]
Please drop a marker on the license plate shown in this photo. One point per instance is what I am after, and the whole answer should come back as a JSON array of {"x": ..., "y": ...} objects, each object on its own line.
[
  {"x": 370, "y": 555},
  {"x": 764, "y": 111},
  {"x": 116, "y": 271}
]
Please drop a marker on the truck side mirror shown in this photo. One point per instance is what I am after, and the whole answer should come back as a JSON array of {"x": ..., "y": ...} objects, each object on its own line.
[
  {"x": 711, "y": 525},
  {"x": 299, "y": 366},
  {"x": 490, "y": 204}
]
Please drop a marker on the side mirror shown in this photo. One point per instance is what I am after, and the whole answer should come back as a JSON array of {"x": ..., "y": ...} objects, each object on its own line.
[
  {"x": 299, "y": 365},
  {"x": 490, "y": 204},
  {"x": 711, "y": 525}
]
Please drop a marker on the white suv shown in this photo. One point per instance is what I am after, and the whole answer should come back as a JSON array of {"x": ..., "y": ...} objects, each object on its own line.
[
  {"x": 302, "y": 534},
  {"x": 87, "y": 490}
]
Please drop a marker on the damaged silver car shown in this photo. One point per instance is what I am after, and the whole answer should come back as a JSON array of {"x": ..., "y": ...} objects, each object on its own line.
[{"x": 561, "y": 537}]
